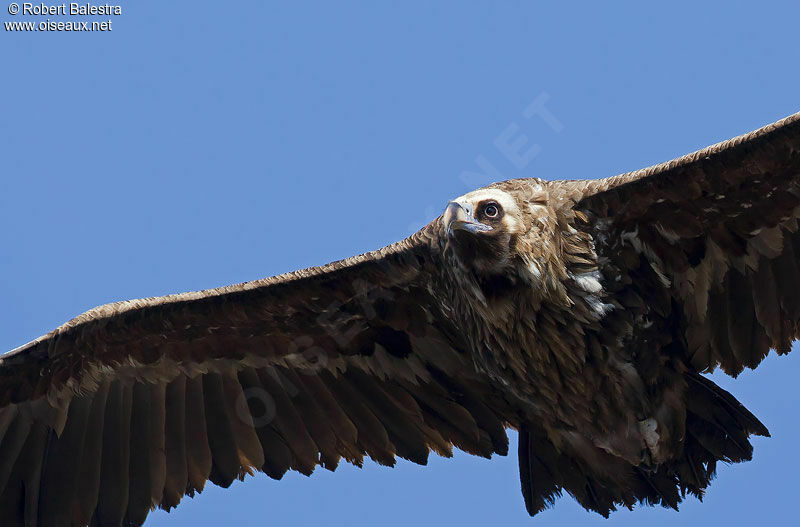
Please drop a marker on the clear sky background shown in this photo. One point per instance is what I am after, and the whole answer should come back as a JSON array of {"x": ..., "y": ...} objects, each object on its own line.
[{"x": 204, "y": 143}]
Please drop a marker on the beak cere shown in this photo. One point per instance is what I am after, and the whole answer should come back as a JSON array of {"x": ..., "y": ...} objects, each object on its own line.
[{"x": 458, "y": 217}]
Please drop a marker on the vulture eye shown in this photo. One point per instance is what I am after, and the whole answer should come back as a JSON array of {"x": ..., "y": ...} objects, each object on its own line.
[{"x": 491, "y": 210}]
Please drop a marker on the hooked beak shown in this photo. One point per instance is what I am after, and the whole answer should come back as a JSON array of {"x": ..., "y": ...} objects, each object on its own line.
[{"x": 456, "y": 217}]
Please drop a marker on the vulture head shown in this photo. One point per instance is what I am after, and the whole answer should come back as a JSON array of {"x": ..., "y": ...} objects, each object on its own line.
[{"x": 502, "y": 235}]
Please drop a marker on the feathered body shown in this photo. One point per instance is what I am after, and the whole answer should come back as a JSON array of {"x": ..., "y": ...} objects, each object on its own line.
[{"x": 542, "y": 324}]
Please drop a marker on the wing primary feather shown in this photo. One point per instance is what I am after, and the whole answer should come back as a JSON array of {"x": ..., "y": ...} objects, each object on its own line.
[
  {"x": 343, "y": 427},
  {"x": 88, "y": 472},
  {"x": 176, "y": 472},
  {"x": 198, "y": 451},
  {"x": 406, "y": 435},
  {"x": 719, "y": 311},
  {"x": 744, "y": 332},
  {"x": 141, "y": 450},
  {"x": 277, "y": 455},
  {"x": 786, "y": 274},
  {"x": 250, "y": 452},
  {"x": 319, "y": 426},
  {"x": 452, "y": 420},
  {"x": 12, "y": 445},
  {"x": 288, "y": 422},
  {"x": 766, "y": 303},
  {"x": 12, "y": 499},
  {"x": 114, "y": 472},
  {"x": 224, "y": 452},
  {"x": 432, "y": 436},
  {"x": 485, "y": 418},
  {"x": 63, "y": 456},
  {"x": 31, "y": 459},
  {"x": 372, "y": 436},
  {"x": 158, "y": 472},
  {"x": 7, "y": 415}
]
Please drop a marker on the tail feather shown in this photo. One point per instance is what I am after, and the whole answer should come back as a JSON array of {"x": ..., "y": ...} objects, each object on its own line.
[
  {"x": 717, "y": 429},
  {"x": 539, "y": 487}
]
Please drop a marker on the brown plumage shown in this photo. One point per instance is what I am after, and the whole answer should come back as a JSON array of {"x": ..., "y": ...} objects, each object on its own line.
[{"x": 582, "y": 313}]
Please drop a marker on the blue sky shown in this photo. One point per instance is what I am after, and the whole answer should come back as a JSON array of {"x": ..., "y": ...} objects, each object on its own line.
[{"x": 204, "y": 143}]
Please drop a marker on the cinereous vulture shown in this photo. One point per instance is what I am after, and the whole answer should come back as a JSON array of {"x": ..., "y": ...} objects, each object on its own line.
[{"x": 581, "y": 313}]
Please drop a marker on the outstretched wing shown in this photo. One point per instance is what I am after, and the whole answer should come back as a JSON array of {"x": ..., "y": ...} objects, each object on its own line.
[
  {"x": 709, "y": 241},
  {"x": 132, "y": 405}
]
